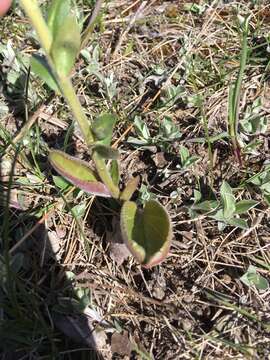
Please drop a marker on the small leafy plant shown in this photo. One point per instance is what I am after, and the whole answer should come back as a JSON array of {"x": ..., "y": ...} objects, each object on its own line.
[
  {"x": 252, "y": 278},
  {"x": 226, "y": 211},
  {"x": 147, "y": 231},
  {"x": 167, "y": 133},
  {"x": 262, "y": 181},
  {"x": 185, "y": 157}
]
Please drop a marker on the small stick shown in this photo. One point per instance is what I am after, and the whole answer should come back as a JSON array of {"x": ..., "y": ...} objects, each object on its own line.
[{"x": 90, "y": 27}]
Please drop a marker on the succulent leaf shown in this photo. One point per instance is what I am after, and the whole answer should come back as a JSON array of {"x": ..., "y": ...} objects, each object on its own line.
[
  {"x": 147, "y": 232},
  {"x": 78, "y": 173}
]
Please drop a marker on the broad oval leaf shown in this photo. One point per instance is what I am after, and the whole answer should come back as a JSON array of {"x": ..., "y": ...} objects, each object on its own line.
[
  {"x": 147, "y": 232},
  {"x": 41, "y": 68},
  {"x": 103, "y": 126},
  {"x": 78, "y": 173},
  {"x": 66, "y": 45}
]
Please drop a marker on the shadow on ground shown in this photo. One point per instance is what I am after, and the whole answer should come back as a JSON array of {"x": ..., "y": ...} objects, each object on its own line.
[{"x": 38, "y": 302}]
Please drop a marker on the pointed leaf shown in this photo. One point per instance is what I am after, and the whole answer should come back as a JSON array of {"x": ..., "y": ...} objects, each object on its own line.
[
  {"x": 253, "y": 278},
  {"x": 205, "y": 206},
  {"x": 228, "y": 200},
  {"x": 58, "y": 11},
  {"x": 245, "y": 205},
  {"x": 78, "y": 173},
  {"x": 41, "y": 68},
  {"x": 66, "y": 45},
  {"x": 130, "y": 188},
  {"x": 147, "y": 232},
  {"x": 61, "y": 183},
  {"x": 103, "y": 126},
  {"x": 241, "y": 223},
  {"x": 106, "y": 152}
]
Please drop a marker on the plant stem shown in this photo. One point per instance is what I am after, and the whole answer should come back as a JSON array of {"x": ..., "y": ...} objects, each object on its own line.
[
  {"x": 75, "y": 105},
  {"x": 234, "y": 97},
  {"x": 237, "y": 91},
  {"x": 32, "y": 10},
  {"x": 105, "y": 175}
]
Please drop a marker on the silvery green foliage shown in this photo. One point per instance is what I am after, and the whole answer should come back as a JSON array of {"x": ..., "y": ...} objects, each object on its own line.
[
  {"x": 227, "y": 211},
  {"x": 254, "y": 121},
  {"x": 13, "y": 79},
  {"x": 108, "y": 81}
]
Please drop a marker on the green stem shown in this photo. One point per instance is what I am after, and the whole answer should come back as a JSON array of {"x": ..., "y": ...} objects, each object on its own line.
[
  {"x": 32, "y": 10},
  {"x": 77, "y": 110},
  {"x": 237, "y": 91},
  {"x": 105, "y": 175}
]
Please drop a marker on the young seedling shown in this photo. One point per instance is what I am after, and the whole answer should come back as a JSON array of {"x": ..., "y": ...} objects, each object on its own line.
[
  {"x": 262, "y": 181},
  {"x": 252, "y": 278},
  {"x": 226, "y": 211},
  {"x": 167, "y": 133},
  {"x": 147, "y": 232}
]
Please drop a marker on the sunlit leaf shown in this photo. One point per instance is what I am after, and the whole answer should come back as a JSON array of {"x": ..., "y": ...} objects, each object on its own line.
[
  {"x": 228, "y": 200},
  {"x": 78, "y": 173},
  {"x": 66, "y": 45},
  {"x": 147, "y": 232},
  {"x": 58, "y": 11},
  {"x": 79, "y": 210},
  {"x": 130, "y": 188},
  {"x": 253, "y": 278},
  {"x": 241, "y": 223},
  {"x": 244, "y": 205},
  {"x": 61, "y": 183}
]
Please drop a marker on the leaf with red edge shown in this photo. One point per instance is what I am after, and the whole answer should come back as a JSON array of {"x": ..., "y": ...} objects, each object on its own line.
[
  {"x": 147, "y": 232},
  {"x": 78, "y": 173}
]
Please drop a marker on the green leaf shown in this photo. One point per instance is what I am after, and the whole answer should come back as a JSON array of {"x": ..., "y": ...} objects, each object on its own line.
[
  {"x": 241, "y": 223},
  {"x": 253, "y": 278},
  {"x": 41, "y": 68},
  {"x": 244, "y": 205},
  {"x": 78, "y": 173},
  {"x": 61, "y": 183},
  {"x": 191, "y": 160},
  {"x": 115, "y": 174},
  {"x": 184, "y": 154},
  {"x": 228, "y": 200},
  {"x": 147, "y": 232},
  {"x": 130, "y": 188},
  {"x": 102, "y": 128},
  {"x": 66, "y": 45},
  {"x": 106, "y": 152},
  {"x": 78, "y": 210},
  {"x": 205, "y": 206},
  {"x": 58, "y": 11}
]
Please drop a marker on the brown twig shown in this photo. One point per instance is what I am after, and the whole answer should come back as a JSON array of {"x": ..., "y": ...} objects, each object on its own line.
[{"x": 90, "y": 27}]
